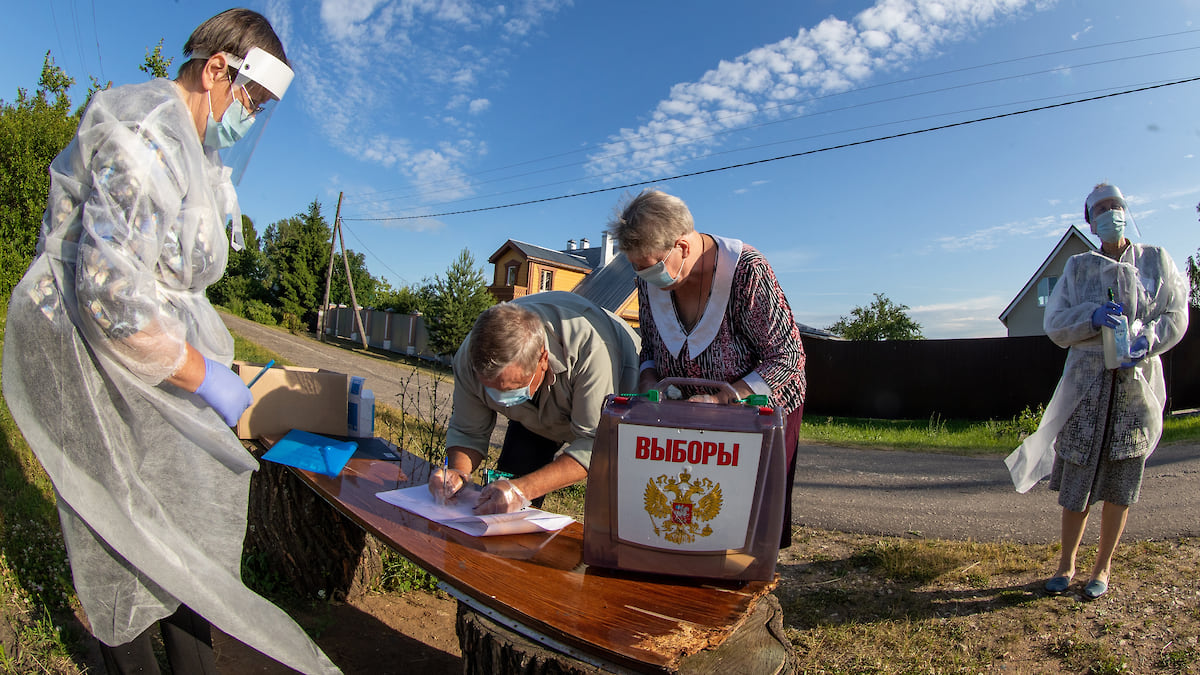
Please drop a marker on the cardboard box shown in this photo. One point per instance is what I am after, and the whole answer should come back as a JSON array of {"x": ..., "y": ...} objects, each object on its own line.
[{"x": 292, "y": 397}]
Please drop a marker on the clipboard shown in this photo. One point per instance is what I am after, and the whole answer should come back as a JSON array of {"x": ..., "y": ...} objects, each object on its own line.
[{"x": 311, "y": 452}]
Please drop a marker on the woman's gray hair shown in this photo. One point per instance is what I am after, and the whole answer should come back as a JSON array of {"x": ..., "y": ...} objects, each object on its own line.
[
  {"x": 506, "y": 334},
  {"x": 234, "y": 31},
  {"x": 650, "y": 223}
]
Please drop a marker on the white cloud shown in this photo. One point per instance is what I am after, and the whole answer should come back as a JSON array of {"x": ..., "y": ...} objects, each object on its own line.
[
  {"x": 1045, "y": 227},
  {"x": 374, "y": 73},
  {"x": 969, "y": 318},
  {"x": 833, "y": 56}
]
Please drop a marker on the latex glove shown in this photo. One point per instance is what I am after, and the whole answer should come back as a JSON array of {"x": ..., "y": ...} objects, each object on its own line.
[
  {"x": 703, "y": 398},
  {"x": 502, "y": 496},
  {"x": 445, "y": 483},
  {"x": 1137, "y": 351},
  {"x": 1106, "y": 315},
  {"x": 224, "y": 392}
]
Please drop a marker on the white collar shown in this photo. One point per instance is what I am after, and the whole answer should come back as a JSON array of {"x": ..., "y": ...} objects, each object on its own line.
[{"x": 705, "y": 331}]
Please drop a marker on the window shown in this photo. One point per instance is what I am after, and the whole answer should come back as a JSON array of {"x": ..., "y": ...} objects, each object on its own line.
[
  {"x": 1045, "y": 287},
  {"x": 510, "y": 275},
  {"x": 547, "y": 281}
]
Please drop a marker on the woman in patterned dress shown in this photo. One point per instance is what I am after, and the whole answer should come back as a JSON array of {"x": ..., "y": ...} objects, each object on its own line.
[
  {"x": 1102, "y": 424},
  {"x": 710, "y": 307}
]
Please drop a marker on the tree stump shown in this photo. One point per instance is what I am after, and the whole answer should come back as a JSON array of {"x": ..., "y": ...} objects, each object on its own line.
[
  {"x": 296, "y": 537},
  {"x": 758, "y": 646}
]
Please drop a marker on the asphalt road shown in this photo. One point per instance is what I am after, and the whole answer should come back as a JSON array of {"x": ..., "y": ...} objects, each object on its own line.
[{"x": 883, "y": 492}]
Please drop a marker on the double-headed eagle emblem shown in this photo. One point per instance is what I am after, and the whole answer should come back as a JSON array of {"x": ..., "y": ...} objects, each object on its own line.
[{"x": 678, "y": 520}]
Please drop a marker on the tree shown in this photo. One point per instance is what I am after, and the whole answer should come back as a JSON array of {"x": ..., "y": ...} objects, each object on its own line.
[
  {"x": 297, "y": 251},
  {"x": 364, "y": 284},
  {"x": 404, "y": 300},
  {"x": 245, "y": 274},
  {"x": 1193, "y": 272},
  {"x": 880, "y": 320},
  {"x": 455, "y": 301},
  {"x": 155, "y": 65},
  {"x": 33, "y": 130}
]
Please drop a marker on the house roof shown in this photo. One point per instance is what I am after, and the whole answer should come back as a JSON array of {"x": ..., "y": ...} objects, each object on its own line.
[
  {"x": 819, "y": 333},
  {"x": 535, "y": 252},
  {"x": 1072, "y": 231},
  {"x": 609, "y": 286}
]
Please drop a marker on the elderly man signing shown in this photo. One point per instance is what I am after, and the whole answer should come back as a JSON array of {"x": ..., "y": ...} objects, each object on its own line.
[{"x": 545, "y": 361}]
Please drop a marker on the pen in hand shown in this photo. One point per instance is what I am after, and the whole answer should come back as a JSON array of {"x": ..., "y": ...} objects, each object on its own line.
[{"x": 445, "y": 474}]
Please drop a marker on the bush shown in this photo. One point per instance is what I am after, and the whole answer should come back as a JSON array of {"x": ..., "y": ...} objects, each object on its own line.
[
  {"x": 235, "y": 306},
  {"x": 260, "y": 312},
  {"x": 1021, "y": 425},
  {"x": 292, "y": 322}
]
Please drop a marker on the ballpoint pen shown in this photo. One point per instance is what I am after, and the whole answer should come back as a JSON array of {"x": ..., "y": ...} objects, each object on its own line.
[
  {"x": 261, "y": 373},
  {"x": 445, "y": 474}
]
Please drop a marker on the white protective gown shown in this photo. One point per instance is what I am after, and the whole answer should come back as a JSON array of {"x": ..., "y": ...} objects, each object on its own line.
[
  {"x": 152, "y": 486},
  {"x": 1155, "y": 295}
]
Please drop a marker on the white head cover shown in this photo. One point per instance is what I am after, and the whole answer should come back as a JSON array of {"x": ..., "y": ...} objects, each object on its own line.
[
  {"x": 1106, "y": 191},
  {"x": 1101, "y": 193}
]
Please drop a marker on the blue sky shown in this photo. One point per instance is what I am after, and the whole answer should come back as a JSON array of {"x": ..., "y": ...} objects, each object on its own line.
[{"x": 416, "y": 108}]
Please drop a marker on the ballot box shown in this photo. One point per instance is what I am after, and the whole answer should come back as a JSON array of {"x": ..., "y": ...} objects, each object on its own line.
[{"x": 686, "y": 488}]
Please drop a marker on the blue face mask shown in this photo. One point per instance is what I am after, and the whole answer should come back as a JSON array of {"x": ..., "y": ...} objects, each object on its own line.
[
  {"x": 1110, "y": 226},
  {"x": 657, "y": 274},
  {"x": 512, "y": 397},
  {"x": 234, "y": 124}
]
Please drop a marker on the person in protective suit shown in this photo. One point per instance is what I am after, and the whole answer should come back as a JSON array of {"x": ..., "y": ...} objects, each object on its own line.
[
  {"x": 116, "y": 367},
  {"x": 1102, "y": 424}
]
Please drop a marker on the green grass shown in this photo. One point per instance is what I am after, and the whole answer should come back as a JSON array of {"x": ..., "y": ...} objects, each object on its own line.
[
  {"x": 36, "y": 595},
  {"x": 954, "y": 436},
  {"x": 245, "y": 350}
]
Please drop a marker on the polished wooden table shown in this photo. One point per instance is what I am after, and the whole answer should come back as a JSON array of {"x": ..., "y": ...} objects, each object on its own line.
[{"x": 538, "y": 585}]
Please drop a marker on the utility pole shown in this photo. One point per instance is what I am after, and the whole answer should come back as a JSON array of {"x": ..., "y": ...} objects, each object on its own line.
[{"x": 333, "y": 244}]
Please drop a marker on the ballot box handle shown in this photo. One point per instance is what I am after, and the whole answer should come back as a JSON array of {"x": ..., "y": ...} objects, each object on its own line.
[{"x": 698, "y": 382}]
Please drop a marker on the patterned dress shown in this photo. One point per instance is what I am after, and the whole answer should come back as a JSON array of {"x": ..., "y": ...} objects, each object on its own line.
[
  {"x": 1110, "y": 420},
  {"x": 747, "y": 332}
]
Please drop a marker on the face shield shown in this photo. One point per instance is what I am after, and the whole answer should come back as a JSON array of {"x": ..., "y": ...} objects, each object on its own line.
[
  {"x": 262, "y": 80},
  {"x": 1103, "y": 199}
]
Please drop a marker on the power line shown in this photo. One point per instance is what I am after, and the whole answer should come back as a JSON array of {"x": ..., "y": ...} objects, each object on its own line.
[
  {"x": 96, "y": 33},
  {"x": 811, "y": 99},
  {"x": 785, "y": 120},
  {"x": 366, "y": 249},
  {"x": 836, "y": 132},
  {"x": 841, "y": 146}
]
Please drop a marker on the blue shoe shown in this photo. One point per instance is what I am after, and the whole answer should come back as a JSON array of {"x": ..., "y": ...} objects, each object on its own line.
[
  {"x": 1095, "y": 589},
  {"x": 1058, "y": 585}
]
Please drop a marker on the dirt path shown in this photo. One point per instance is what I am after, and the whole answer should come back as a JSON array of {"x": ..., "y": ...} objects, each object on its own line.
[{"x": 887, "y": 492}]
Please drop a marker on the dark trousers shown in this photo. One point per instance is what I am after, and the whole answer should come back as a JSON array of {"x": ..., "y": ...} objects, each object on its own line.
[
  {"x": 187, "y": 639},
  {"x": 524, "y": 452},
  {"x": 791, "y": 437}
]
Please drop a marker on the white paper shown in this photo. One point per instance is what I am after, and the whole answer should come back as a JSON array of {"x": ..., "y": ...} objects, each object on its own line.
[{"x": 458, "y": 513}]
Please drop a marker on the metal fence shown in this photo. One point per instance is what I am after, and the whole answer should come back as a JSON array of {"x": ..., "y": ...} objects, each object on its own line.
[
  {"x": 400, "y": 333},
  {"x": 972, "y": 379}
]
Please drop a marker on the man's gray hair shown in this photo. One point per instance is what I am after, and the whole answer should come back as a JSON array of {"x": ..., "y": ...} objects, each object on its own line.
[
  {"x": 506, "y": 334},
  {"x": 651, "y": 223}
]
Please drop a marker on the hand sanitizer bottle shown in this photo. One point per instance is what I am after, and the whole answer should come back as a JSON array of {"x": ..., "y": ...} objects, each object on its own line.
[{"x": 1116, "y": 341}]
